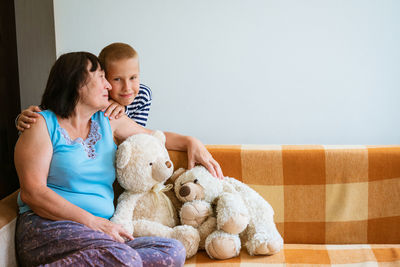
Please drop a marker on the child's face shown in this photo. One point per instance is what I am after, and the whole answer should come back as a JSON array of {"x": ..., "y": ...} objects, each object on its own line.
[{"x": 123, "y": 76}]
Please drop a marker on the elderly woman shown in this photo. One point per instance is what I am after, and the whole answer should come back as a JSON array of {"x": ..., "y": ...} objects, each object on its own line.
[{"x": 65, "y": 164}]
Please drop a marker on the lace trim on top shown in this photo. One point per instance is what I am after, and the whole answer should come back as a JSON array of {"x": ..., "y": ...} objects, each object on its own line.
[{"x": 93, "y": 137}]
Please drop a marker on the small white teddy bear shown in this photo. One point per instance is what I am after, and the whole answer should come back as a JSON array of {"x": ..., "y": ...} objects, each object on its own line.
[
  {"x": 143, "y": 165},
  {"x": 224, "y": 209}
]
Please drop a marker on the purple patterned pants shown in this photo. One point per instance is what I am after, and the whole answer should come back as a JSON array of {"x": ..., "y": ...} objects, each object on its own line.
[{"x": 42, "y": 242}]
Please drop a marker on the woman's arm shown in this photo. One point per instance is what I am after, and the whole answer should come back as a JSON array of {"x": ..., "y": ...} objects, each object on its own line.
[
  {"x": 197, "y": 153},
  {"x": 33, "y": 153},
  {"x": 124, "y": 127}
]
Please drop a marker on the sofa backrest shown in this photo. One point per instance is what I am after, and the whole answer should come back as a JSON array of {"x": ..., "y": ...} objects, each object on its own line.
[{"x": 321, "y": 194}]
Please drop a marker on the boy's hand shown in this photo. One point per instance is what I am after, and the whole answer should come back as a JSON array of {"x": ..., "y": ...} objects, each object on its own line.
[
  {"x": 27, "y": 117},
  {"x": 198, "y": 153},
  {"x": 114, "y": 110}
]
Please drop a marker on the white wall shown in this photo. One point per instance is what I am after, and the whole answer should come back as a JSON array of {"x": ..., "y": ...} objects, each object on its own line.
[{"x": 255, "y": 72}]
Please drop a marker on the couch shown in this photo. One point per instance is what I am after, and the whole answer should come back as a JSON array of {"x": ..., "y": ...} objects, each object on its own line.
[{"x": 334, "y": 205}]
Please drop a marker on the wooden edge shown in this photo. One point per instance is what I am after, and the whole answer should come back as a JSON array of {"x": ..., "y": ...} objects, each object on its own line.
[{"x": 8, "y": 209}]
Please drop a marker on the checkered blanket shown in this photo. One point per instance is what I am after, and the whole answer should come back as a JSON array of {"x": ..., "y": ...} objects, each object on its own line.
[
  {"x": 311, "y": 255},
  {"x": 321, "y": 195}
]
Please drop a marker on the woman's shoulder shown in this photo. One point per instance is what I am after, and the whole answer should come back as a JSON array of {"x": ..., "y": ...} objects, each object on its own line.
[
  {"x": 39, "y": 129},
  {"x": 101, "y": 122},
  {"x": 99, "y": 117},
  {"x": 48, "y": 115}
]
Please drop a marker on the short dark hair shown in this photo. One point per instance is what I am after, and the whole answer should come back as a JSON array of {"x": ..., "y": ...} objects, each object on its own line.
[{"x": 67, "y": 75}]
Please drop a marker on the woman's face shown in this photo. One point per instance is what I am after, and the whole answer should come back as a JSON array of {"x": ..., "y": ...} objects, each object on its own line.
[{"x": 94, "y": 92}]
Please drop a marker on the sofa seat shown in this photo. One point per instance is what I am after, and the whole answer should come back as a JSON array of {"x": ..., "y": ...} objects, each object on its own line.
[
  {"x": 311, "y": 255},
  {"x": 334, "y": 205}
]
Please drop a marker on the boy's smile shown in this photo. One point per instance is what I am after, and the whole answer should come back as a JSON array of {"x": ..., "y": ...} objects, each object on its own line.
[{"x": 123, "y": 76}]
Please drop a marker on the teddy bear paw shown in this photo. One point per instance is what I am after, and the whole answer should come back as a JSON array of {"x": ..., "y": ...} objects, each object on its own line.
[
  {"x": 222, "y": 246},
  {"x": 235, "y": 224},
  {"x": 189, "y": 237},
  {"x": 269, "y": 247},
  {"x": 195, "y": 213}
]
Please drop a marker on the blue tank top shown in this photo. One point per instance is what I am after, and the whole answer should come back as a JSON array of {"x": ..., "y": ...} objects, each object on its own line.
[{"x": 82, "y": 171}]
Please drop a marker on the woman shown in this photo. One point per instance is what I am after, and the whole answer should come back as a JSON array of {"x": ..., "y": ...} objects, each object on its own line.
[{"x": 65, "y": 164}]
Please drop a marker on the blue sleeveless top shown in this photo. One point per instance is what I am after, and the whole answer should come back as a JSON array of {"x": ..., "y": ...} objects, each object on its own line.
[{"x": 82, "y": 171}]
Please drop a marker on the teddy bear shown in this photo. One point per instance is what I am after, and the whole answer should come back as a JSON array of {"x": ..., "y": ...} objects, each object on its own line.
[
  {"x": 227, "y": 213},
  {"x": 143, "y": 209}
]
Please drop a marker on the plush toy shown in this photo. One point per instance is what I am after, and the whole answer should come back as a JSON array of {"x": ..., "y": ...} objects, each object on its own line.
[
  {"x": 143, "y": 165},
  {"x": 226, "y": 213}
]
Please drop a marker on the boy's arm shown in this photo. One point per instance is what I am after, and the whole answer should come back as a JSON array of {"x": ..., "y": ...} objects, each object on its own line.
[
  {"x": 26, "y": 118},
  {"x": 197, "y": 152},
  {"x": 125, "y": 127}
]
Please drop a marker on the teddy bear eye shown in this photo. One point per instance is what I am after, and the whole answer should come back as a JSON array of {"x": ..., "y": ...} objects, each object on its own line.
[
  {"x": 150, "y": 163},
  {"x": 195, "y": 181}
]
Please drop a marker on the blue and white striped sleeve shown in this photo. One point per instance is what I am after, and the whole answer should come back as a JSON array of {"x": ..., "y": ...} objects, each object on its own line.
[{"x": 139, "y": 109}]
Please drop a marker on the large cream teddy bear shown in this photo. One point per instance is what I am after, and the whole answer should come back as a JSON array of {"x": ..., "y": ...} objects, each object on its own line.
[
  {"x": 143, "y": 165},
  {"x": 226, "y": 213}
]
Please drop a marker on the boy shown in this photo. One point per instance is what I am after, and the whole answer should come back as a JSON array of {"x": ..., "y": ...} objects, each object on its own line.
[{"x": 121, "y": 65}]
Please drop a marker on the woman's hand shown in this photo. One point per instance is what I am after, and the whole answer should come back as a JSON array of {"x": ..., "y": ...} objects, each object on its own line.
[
  {"x": 27, "y": 117},
  {"x": 114, "y": 110},
  {"x": 198, "y": 153},
  {"x": 116, "y": 231}
]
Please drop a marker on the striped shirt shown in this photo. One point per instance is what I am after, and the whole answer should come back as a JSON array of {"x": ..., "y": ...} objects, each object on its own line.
[{"x": 139, "y": 109}]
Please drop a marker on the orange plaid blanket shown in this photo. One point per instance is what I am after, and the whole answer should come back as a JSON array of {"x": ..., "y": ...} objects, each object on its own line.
[
  {"x": 311, "y": 255},
  {"x": 320, "y": 195}
]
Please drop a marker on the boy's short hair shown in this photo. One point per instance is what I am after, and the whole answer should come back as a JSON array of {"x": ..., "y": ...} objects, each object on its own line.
[{"x": 116, "y": 51}]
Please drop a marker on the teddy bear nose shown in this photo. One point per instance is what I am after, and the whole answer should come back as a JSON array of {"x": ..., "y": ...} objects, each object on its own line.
[
  {"x": 168, "y": 163},
  {"x": 184, "y": 191}
]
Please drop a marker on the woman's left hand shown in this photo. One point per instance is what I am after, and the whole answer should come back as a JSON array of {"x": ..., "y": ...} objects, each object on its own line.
[{"x": 198, "y": 153}]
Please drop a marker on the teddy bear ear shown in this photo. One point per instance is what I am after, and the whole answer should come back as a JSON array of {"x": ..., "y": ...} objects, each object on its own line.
[
  {"x": 123, "y": 154},
  {"x": 160, "y": 136},
  {"x": 176, "y": 174}
]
